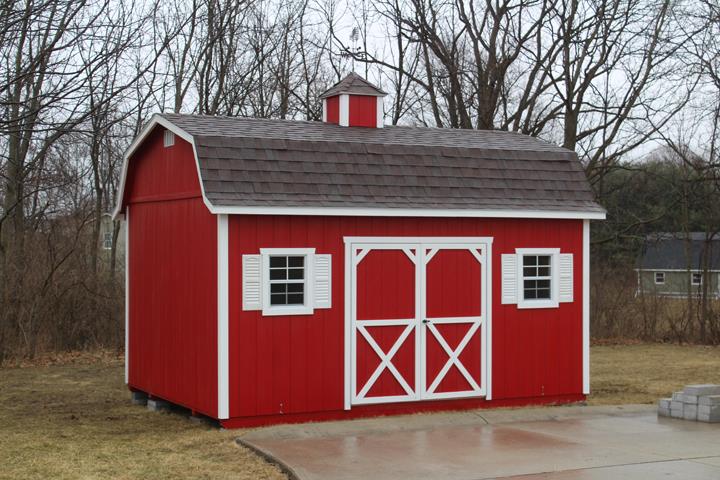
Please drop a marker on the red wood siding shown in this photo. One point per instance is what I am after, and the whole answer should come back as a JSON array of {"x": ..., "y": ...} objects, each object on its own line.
[
  {"x": 333, "y": 110},
  {"x": 173, "y": 276},
  {"x": 294, "y": 365},
  {"x": 363, "y": 111}
]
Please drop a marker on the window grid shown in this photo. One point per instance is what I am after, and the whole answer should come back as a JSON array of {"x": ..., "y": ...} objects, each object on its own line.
[
  {"x": 696, "y": 278},
  {"x": 287, "y": 280},
  {"x": 659, "y": 278},
  {"x": 537, "y": 276}
]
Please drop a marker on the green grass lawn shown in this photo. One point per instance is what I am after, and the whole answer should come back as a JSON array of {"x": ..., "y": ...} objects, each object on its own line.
[{"x": 74, "y": 419}]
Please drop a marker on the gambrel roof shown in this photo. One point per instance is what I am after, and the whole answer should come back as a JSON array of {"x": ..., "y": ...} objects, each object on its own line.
[{"x": 251, "y": 165}]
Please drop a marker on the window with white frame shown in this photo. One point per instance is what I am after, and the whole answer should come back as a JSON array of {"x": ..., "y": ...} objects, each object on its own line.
[
  {"x": 659, "y": 278},
  {"x": 107, "y": 241},
  {"x": 537, "y": 278},
  {"x": 696, "y": 278}
]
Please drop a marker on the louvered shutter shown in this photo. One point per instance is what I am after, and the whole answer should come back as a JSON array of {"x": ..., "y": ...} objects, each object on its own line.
[
  {"x": 252, "y": 282},
  {"x": 565, "y": 274},
  {"x": 509, "y": 278},
  {"x": 322, "y": 283}
]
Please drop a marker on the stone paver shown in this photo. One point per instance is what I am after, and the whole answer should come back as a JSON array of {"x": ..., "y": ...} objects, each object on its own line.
[{"x": 556, "y": 443}]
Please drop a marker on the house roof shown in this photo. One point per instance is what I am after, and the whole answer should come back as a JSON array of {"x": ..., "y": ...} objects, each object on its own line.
[
  {"x": 258, "y": 166},
  {"x": 668, "y": 251},
  {"x": 353, "y": 84}
]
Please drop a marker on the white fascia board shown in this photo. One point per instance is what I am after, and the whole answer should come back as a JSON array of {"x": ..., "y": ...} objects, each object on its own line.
[
  {"x": 407, "y": 212},
  {"x": 155, "y": 120}
]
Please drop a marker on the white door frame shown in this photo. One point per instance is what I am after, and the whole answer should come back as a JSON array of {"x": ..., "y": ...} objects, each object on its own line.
[{"x": 355, "y": 250}]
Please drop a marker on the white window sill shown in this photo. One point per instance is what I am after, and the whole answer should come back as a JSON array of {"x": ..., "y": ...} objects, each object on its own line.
[
  {"x": 538, "y": 304},
  {"x": 287, "y": 310}
]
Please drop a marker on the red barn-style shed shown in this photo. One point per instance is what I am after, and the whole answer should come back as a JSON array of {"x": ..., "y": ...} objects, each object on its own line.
[{"x": 287, "y": 271}]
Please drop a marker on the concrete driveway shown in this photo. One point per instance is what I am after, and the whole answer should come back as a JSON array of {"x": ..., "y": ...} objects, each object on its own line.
[{"x": 565, "y": 443}]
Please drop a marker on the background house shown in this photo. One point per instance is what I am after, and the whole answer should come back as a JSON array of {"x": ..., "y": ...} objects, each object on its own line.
[
  {"x": 109, "y": 236},
  {"x": 672, "y": 264}
]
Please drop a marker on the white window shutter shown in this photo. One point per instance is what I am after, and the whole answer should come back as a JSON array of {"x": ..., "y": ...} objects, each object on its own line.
[
  {"x": 565, "y": 270},
  {"x": 509, "y": 278},
  {"x": 322, "y": 282},
  {"x": 252, "y": 282}
]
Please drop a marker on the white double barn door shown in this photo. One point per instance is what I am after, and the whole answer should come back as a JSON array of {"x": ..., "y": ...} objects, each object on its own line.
[{"x": 418, "y": 318}]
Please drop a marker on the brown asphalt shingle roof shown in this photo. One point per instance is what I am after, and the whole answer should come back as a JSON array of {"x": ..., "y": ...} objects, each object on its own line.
[
  {"x": 286, "y": 163},
  {"x": 353, "y": 84}
]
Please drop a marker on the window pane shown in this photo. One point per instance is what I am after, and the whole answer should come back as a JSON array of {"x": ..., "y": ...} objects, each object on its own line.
[
  {"x": 529, "y": 284},
  {"x": 278, "y": 274},
  {"x": 529, "y": 260},
  {"x": 543, "y": 259},
  {"x": 543, "y": 284},
  {"x": 529, "y": 271},
  {"x": 278, "y": 299},
  {"x": 530, "y": 294},
  {"x": 543, "y": 293},
  {"x": 296, "y": 261},
  {"x": 276, "y": 262},
  {"x": 278, "y": 287},
  {"x": 295, "y": 299},
  {"x": 295, "y": 287},
  {"x": 295, "y": 273},
  {"x": 543, "y": 271}
]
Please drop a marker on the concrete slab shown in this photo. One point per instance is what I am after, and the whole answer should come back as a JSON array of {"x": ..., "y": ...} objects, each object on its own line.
[{"x": 559, "y": 442}]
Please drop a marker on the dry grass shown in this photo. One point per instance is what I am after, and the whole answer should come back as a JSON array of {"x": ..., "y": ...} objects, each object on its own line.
[
  {"x": 76, "y": 421},
  {"x": 70, "y": 416},
  {"x": 645, "y": 372}
]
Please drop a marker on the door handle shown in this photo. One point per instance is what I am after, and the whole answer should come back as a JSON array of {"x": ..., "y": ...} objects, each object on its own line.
[{"x": 426, "y": 321}]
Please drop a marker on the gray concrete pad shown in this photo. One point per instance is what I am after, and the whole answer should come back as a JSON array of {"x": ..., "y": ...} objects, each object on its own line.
[{"x": 557, "y": 443}]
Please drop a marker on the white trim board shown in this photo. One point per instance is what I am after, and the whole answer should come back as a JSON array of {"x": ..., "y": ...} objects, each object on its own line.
[
  {"x": 157, "y": 120},
  {"x": 223, "y": 315},
  {"x": 127, "y": 296},
  {"x": 586, "y": 307}
]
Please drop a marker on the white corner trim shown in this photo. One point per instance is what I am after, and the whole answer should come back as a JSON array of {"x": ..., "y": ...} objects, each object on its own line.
[
  {"x": 223, "y": 314},
  {"x": 586, "y": 307},
  {"x": 380, "y": 112},
  {"x": 324, "y": 112},
  {"x": 127, "y": 295},
  {"x": 554, "y": 300},
  {"x": 488, "y": 322},
  {"x": 344, "y": 106}
]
